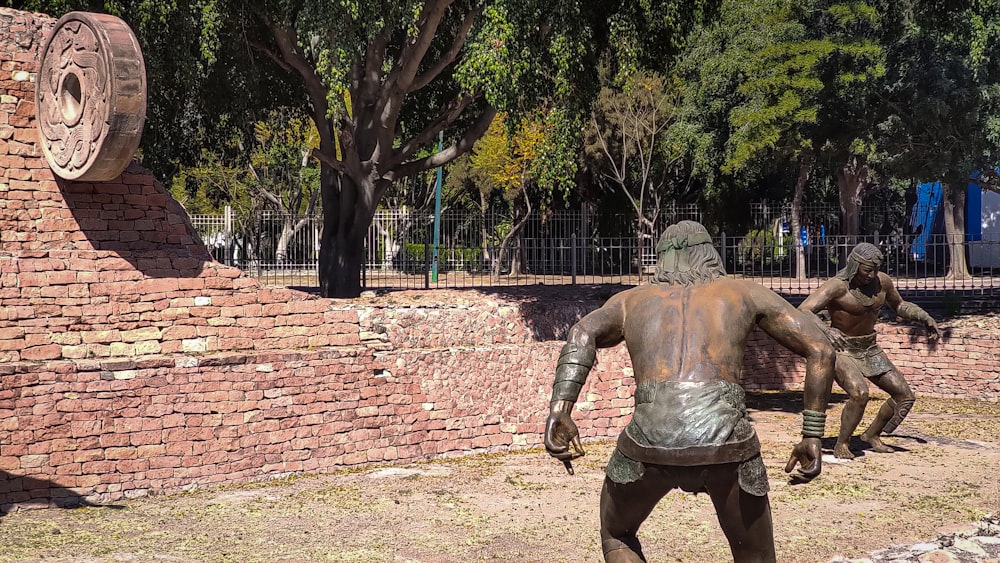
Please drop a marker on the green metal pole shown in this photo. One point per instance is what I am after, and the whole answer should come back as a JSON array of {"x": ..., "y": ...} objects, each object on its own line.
[{"x": 437, "y": 213}]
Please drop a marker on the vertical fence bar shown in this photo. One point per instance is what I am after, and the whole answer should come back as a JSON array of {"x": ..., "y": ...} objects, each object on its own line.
[
  {"x": 572, "y": 258},
  {"x": 427, "y": 264}
]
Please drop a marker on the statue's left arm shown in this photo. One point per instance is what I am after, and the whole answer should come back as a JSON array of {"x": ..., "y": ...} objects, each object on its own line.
[
  {"x": 795, "y": 330},
  {"x": 907, "y": 310}
]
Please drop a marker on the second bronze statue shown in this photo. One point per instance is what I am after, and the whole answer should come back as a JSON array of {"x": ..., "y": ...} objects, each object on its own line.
[{"x": 853, "y": 298}]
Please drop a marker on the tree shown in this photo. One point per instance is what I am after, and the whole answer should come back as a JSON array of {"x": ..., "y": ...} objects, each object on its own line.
[
  {"x": 284, "y": 175},
  {"x": 270, "y": 171},
  {"x": 632, "y": 138},
  {"x": 942, "y": 92},
  {"x": 526, "y": 163},
  {"x": 382, "y": 79},
  {"x": 780, "y": 83}
]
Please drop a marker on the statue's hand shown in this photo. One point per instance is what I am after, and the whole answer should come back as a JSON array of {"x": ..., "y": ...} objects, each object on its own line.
[
  {"x": 809, "y": 454},
  {"x": 837, "y": 339},
  {"x": 561, "y": 433},
  {"x": 933, "y": 332}
]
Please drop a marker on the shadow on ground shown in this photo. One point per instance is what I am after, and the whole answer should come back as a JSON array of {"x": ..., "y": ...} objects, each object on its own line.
[
  {"x": 784, "y": 401},
  {"x": 16, "y": 489}
]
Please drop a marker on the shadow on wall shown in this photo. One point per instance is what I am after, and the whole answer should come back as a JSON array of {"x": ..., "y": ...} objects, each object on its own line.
[
  {"x": 550, "y": 311},
  {"x": 137, "y": 219},
  {"x": 25, "y": 491}
]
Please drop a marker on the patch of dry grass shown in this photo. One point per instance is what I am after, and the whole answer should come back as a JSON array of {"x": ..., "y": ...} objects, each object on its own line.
[{"x": 524, "y": 507}]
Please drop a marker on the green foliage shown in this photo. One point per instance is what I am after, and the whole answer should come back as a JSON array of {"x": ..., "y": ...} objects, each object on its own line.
[
  {"x": 273, "y": 173},
  {"x": 449, "y": 259},
  {"x": 941, "y": 91},
  {"x": 536, "y": 156},
  {"x": 760, "y": 247}
]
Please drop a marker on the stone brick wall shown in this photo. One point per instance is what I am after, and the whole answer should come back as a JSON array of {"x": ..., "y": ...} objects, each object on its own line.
[
  {"x": 113, "y": 269},
  {"x": 132, "y": 363}
]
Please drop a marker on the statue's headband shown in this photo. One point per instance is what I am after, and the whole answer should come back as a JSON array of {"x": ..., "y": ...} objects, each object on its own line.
[
  {"x": 672, "y": 247},
  {"x": 873, "y": 261},
  {"x": 683, "y": 241}
]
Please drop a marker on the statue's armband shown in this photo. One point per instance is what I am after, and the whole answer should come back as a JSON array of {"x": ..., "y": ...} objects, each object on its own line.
[
  {"x": 813, "y": 424},
  {"x": 571, "y": 371},
  {"x": 913, "y": 312}
]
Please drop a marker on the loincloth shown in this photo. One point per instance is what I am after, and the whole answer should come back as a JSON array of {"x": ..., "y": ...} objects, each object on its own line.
[
  {"x": 688, "y": 424},
  {"x": 865, "y": 355}
]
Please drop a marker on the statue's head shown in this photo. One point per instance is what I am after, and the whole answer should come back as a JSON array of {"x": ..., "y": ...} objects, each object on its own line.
[
  {"x": 863, "y": 264},
  {"x": 685, "y": 255}
]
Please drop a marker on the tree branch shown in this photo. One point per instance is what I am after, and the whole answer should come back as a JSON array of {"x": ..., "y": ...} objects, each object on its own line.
[
  {"x": 449, "y": 114},
  {"x": 329, "y": 160},
  {"x": 447, "y": 155},
  {"x": 449, "y": 57},
  {"x": 366, "y": 78},
  {"x": 415, "y": 50},
  {"x": 401, "y": 77}
]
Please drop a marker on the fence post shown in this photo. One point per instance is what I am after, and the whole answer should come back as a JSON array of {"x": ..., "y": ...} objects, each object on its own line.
[
  {"x": 427, "y": 263},
  {"x": 572, "y": 258},
  {"x": 722, "y": 247}
]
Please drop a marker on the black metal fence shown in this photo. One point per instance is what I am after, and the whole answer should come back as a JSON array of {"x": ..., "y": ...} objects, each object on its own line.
[{"x": 566, "y": 248}]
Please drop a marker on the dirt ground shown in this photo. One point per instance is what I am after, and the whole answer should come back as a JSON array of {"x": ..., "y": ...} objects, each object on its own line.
[{"x": 524, "y": 507}]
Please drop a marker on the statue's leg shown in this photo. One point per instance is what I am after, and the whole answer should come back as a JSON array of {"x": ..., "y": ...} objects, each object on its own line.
[
  {"x": 624, "y": 507},
  {"x": 856, "y": 387},
  {"x": 892, "y": 412},
  {"x": 744, "y": 518}
]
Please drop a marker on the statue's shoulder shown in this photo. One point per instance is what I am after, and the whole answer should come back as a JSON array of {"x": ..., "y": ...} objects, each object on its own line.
[{"x": 835, "y": 287}]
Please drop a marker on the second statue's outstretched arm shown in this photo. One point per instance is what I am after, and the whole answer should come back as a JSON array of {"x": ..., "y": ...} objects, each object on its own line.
[{"x": 910, "y": 311}]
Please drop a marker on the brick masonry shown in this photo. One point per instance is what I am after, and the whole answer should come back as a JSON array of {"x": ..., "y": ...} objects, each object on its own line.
[{"x": 132, "y": 363}]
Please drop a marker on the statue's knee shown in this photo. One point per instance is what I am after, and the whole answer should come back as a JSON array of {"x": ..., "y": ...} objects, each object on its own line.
[{"x": 860, "y": 396}]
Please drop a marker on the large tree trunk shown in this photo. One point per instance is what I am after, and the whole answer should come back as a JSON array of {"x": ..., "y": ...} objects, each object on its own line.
[
  {"x": 346, "y": 219},
  {"x": 805, "y": 167},
  {"x": 851, "y": 181},
  {"x": 954, "y": 229}
]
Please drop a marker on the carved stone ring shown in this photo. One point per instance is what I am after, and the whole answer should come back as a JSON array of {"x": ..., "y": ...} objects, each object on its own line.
[{"x": 90, "y": 97}]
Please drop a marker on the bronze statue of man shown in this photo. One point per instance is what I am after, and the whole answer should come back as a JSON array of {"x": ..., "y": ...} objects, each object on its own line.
[
  {"x": 853, "y": 298},
  {"x": 686, "y": 333}
]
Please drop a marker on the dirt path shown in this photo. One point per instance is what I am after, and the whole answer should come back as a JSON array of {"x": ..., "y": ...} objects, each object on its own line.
[{"x": 523, "y": 507}]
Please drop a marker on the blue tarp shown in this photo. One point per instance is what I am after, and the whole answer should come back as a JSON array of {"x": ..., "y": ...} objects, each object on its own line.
[
  {"x": 923, "y": 216},
  {"x": 925, "y": 219}
]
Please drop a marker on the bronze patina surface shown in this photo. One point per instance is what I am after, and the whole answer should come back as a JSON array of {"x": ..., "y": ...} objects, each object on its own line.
[
  {"x": 853, "y": 298},
  {"x": 686, "y": 333}
]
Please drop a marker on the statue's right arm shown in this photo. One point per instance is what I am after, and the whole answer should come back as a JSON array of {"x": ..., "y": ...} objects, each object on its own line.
[{"x": 600, "y": 329}]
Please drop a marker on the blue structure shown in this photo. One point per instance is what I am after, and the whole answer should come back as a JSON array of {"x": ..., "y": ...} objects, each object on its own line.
[
  {"x": 927, "y": 220},
  {"x": 923, "y": 218}
]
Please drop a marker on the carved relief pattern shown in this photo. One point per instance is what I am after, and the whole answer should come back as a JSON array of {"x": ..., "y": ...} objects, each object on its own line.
[
  {"x": 91, "y": 97},
  {"x": 73, "y": 98}
]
